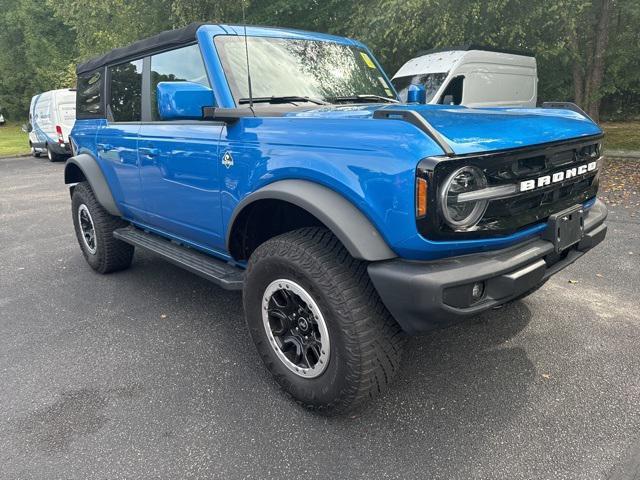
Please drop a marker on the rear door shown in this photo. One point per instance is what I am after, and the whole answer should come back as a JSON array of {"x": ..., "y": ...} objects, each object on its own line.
[
  {"x": 117, "y": 138},
  {"x": 179, "y": 169},
  {"x": 66, "y": 112}
]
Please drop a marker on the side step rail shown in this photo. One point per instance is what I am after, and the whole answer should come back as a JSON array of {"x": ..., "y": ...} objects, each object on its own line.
[{"x": 217, "y": 271}]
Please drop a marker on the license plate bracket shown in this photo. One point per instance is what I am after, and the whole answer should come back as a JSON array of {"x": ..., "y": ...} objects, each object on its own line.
[{"x": 565, "y": 228}]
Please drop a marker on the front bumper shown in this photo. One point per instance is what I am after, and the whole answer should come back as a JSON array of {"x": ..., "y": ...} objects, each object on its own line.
[{"x": 427, "y": 295}]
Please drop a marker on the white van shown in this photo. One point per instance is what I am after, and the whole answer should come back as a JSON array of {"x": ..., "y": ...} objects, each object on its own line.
[
  {"x": 51, "y": 118},
  {"x": 472, "y": 76}
]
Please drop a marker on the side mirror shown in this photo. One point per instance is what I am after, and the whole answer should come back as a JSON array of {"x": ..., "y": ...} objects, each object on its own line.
[
  {"x": 26, "y": 128},
  {"x": 416, "y": 94},
  {"x": 182, "y": 100}
]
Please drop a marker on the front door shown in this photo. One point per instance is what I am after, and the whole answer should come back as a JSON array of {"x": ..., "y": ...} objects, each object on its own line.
[
  {"x": 180, "y": 180},
  {"x": 179, "y": 167}
]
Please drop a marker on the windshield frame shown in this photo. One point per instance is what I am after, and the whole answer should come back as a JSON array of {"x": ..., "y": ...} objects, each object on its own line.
[{"x": 233, "y": 82}]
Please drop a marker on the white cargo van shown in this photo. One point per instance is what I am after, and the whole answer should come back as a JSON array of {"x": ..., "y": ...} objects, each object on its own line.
[
  {"x": 472, "y": 76},
  {"x": 51, "y": 118}
]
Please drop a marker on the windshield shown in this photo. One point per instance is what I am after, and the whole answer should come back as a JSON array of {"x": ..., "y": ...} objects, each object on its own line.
[
  {"x": 304, "y": 68},
  {"x": 431, "y": 82}
]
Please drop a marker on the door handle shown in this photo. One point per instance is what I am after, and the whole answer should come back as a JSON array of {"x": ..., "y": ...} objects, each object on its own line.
[
  {"x": 104, "y": 147},
  {"x": 149, "y": 152}
]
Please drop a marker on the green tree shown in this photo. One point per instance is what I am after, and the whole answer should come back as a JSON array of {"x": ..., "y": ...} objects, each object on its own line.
[
  {"x": 587, "y": 50},
  {"x": 36, "y": 55},
  {"x": 102, "y": 25},
  {"x": 184, "y": 12}
]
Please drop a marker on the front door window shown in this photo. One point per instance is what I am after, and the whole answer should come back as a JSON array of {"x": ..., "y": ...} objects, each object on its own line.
[{"x": 181, "y": 65}]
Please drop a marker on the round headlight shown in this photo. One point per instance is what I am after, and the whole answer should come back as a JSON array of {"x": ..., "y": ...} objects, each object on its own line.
[{"x": 463, "y": 215}]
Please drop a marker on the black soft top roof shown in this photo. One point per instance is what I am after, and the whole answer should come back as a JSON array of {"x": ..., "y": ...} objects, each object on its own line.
[{"x": 168, "y": 39}]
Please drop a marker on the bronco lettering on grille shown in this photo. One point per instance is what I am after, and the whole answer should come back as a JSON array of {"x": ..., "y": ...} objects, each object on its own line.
[{"x": 545, "y": 180}]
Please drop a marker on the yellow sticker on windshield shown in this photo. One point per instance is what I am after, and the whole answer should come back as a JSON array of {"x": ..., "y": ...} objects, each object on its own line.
[
  {"x": 388, "y": 92},
  {"x": 367, "y": 60}
]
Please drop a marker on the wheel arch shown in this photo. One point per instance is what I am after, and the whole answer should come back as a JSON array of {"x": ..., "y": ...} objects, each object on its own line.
[
  {"x": 311, "y": 204},
  {"x": 83, "y": 168}
]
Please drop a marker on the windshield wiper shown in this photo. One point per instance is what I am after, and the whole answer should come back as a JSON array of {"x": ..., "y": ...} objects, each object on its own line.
[
  {"x": 282, "y": 99},
  {"x": 367, "y": 98}
]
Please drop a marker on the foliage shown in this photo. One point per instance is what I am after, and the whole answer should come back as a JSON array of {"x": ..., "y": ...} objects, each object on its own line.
[
  {"x": 186, "y": 11},
  {"x": 35, "y": 56},
  {"x": 44, "y": 39}
]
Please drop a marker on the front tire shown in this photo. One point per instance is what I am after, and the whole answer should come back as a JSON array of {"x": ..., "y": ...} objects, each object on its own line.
[
  {"x": 318, "y": 323},
  {"x": 34, "y": 152},
  {"x": 94, "y": 228}
]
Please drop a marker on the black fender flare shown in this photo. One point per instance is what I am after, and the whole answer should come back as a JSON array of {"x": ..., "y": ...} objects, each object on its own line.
[
  {"x": 84, "y": 167},
  {"x": 359, "y": 236}
]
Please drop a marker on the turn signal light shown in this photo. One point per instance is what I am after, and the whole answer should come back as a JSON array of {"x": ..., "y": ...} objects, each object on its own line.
[{"x": 421, "y": 197}]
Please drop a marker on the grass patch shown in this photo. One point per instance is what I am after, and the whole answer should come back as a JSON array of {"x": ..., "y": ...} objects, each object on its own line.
[
  {"x": 621, "y": 135},
  {"x": 13, "y": 141}
]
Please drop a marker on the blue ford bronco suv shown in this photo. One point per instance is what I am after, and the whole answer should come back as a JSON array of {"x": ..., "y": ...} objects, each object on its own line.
[{"x": 280, "y": 163}]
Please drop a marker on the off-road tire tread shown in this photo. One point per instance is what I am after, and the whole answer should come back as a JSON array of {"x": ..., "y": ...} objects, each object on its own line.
[
  {"x": 374, "y": 341},
  {"x": 112, "y": 254}
]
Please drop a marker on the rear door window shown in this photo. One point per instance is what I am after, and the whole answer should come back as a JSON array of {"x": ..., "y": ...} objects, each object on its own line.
[
  {"x": 125, "y": 91},
  {"x": 180, "y": 65},
  {"x": 89, "y": 95}
]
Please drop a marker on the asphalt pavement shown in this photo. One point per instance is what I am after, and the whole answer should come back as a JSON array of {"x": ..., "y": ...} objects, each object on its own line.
[{"x": 150, "y": 373}]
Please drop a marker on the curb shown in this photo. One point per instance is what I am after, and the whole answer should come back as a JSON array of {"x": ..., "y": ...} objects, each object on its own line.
[
  {"x": 626, "y": 154},
  {"x": 4, "y": 157}
]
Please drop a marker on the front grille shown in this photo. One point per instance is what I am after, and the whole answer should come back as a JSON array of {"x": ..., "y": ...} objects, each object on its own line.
[{"x": 508, "y": 215}]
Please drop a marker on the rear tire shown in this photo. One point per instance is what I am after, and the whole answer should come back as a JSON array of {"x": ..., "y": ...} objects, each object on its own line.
[
  {"x": 310, "y": 272},
  {"x": 94, "y": 228},
  {"x": 53, "y": 156}
]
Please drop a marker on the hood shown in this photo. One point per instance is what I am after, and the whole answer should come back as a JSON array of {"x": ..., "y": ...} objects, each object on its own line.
[{"x": 476, "y": 130}]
